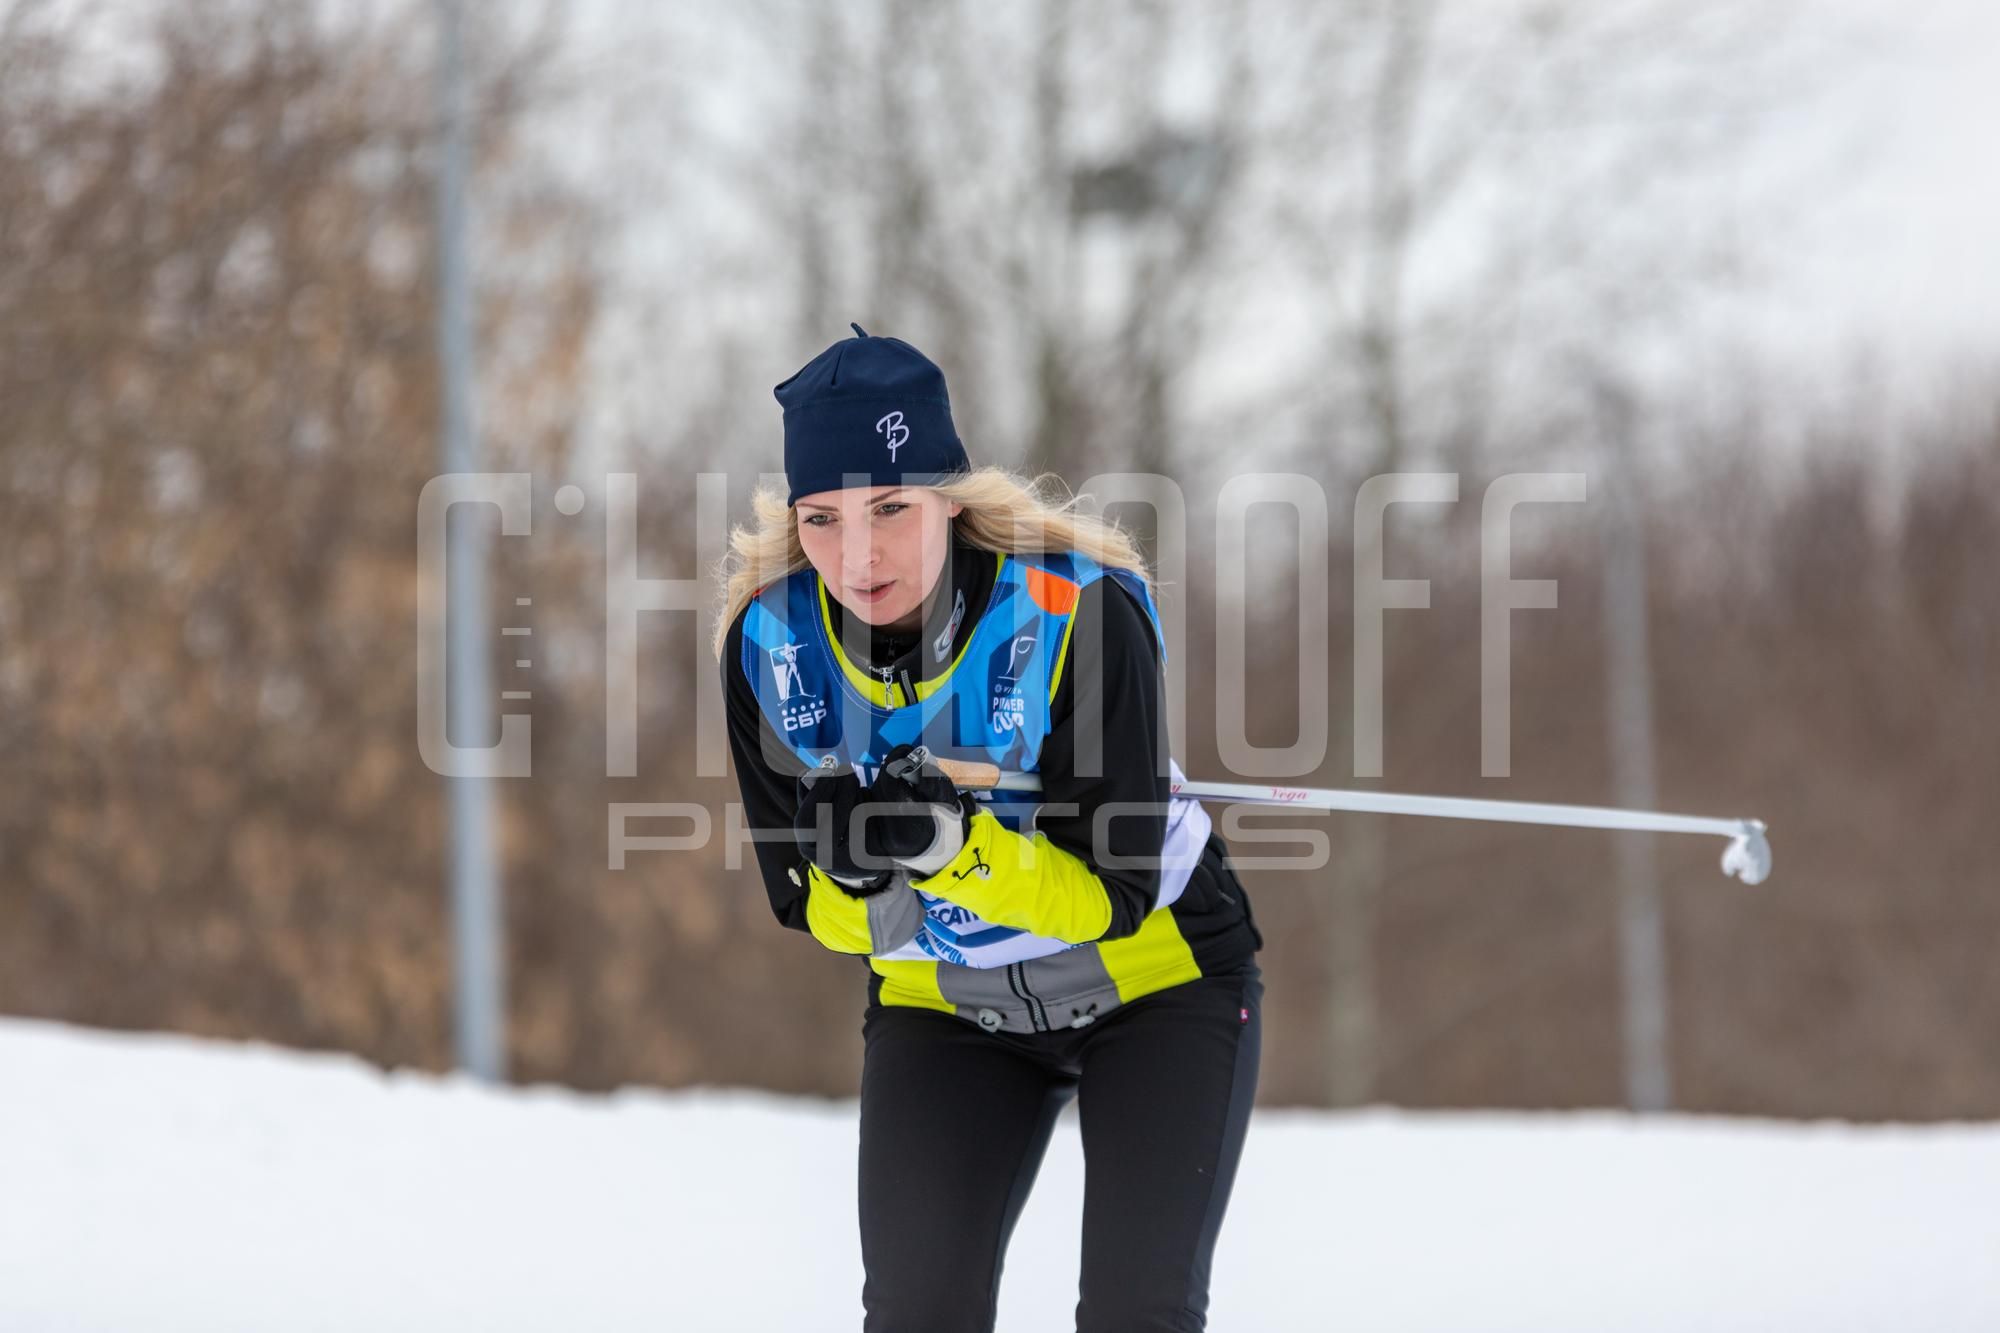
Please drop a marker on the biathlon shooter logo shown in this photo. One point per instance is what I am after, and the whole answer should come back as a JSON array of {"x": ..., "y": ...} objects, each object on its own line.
[{"x": 801, "y": 709}]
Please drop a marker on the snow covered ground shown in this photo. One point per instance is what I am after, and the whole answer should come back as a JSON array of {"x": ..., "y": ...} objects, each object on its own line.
[{"x": 163, "y": 1183}]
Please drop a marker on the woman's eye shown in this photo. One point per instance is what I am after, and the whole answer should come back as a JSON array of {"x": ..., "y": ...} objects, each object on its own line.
[
  {"x": 893, "y": 507},
  {"x": 817, "y": 520}
]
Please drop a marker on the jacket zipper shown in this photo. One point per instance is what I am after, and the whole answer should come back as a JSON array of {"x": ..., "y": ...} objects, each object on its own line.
[
  {"x": 1017, "y": 973},
  {"x": 905, "y": 688}
]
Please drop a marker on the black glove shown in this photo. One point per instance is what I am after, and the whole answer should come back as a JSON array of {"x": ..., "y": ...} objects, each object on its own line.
[
  {"x": 924, "y": 819},
  {"x": 829, "y": 796}
]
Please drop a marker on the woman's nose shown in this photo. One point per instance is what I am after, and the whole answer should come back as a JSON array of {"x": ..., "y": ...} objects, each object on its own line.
[{"x": 859, "y": 549}]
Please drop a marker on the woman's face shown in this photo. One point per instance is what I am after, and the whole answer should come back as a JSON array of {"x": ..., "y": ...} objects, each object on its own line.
[{"x": 879, "y": 548}]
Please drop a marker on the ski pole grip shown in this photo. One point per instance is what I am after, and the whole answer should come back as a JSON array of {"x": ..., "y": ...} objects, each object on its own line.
[{"x": 969, "y": 775}]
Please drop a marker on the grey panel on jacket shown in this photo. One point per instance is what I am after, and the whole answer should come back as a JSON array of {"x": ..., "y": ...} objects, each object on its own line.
[
  {"x": 895, "y": 915},
  {"x": 1063, "y": 990}
]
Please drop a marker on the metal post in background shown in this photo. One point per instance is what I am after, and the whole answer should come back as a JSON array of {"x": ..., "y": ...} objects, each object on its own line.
[
  {"x": 1629, "y": 729},
  {"x": 478, "y": 978}
]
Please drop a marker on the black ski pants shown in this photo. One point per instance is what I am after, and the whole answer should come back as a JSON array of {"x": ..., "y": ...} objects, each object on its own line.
[{"x": 954, "y": 1121}]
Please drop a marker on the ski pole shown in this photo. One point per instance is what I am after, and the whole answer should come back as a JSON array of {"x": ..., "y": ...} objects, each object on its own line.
[{"x": 1748, "y": 856}]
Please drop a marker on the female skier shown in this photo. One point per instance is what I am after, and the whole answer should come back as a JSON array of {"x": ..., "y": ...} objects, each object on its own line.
[{"x": 1022, "y": 947}]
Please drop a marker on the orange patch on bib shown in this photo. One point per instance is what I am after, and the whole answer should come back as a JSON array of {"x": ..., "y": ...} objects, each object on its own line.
[{"x": 1053, "y": 593}]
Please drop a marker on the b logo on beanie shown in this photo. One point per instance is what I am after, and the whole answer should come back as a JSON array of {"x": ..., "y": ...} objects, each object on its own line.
[{"x": 893, "y": 427}]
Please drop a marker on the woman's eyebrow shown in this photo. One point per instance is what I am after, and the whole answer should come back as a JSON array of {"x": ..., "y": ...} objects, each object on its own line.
[{"x": 873, "y": 499}]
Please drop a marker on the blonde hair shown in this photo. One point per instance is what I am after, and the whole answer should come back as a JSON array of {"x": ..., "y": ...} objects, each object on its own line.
[{"x": 1001, "y": 511}]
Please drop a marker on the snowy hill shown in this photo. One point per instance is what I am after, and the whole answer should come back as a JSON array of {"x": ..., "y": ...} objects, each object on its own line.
[{"x": 164, "y": 1183}]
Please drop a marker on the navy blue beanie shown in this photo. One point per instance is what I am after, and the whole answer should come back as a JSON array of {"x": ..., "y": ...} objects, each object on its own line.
[{"x": 868, "y": 412}]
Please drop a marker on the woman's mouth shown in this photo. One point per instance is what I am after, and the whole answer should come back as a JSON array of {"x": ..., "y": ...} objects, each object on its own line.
[{"x": 873, "y": 592}]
